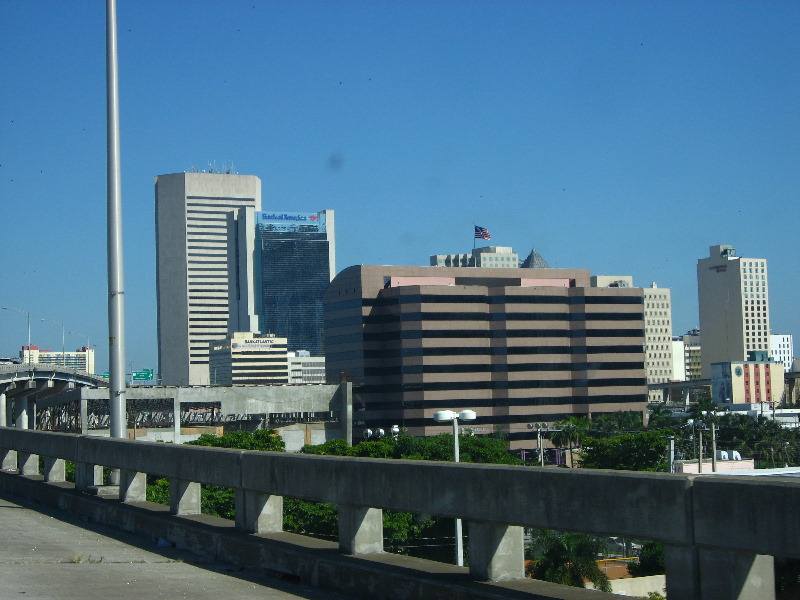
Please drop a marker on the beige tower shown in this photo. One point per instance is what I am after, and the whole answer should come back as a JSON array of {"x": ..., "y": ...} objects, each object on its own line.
[
  {"x": 733, "y": 294},
  {"x": 204, "y": 267}
]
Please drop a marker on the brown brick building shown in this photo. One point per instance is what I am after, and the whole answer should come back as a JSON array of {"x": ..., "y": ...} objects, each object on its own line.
[{"x": 517, "y": 347}]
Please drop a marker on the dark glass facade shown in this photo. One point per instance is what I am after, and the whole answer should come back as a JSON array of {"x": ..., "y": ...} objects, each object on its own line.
[{"x": 294, "y": 263}]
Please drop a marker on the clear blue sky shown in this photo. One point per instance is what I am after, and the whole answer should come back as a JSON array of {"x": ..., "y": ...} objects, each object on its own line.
[{"x": 623, "y": 137}]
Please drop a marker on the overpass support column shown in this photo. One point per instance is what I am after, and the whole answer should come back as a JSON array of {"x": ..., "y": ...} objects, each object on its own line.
[
  {"x": 257, "y": 512},
  {"x": 132, "y": 486},
  {"x": 54, "y": 469},
  {"x": 496, "y": 552},
  {"x": 184, "y": 497},
  {"x": 21, "y": 404},
  {"x": 706, "y": 574},
  {"x": 360, "y": 529},
  {"x": 3, "y": 409}
]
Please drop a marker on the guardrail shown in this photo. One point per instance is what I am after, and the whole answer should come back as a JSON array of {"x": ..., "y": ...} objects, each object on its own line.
[{"x": 720, "y": 533}]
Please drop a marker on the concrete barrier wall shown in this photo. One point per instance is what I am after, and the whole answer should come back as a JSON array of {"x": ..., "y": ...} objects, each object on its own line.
[{"x": 705, "y": 522}]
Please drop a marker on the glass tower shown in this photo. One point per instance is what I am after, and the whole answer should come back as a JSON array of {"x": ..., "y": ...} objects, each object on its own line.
[{"x": 295, "y": 257}]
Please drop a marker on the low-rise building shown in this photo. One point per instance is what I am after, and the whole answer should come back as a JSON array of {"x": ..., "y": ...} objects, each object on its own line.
[
  {"x": 246, "y": 357},
  {"x": 81, "y": 359}
]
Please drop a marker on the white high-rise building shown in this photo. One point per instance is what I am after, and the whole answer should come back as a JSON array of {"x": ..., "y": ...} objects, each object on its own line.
[
  {"x": 81, "y": 359},
  {"x": 733, "y": 294},
  {"x": 781, "y": 348},
  {"x": 657, "y": 330},
  {"x": 204, "y": 269}
]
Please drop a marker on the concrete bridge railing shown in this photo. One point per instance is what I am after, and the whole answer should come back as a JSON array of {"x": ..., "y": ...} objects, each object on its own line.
[{"x": 720, "y": 533}]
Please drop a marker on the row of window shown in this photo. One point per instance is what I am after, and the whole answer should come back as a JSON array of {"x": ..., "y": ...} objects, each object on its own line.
[
  {"x": 500, "y": 299},
  {"x": 498, "y": 402},
  {"x": 500, "y": 368},
  {"x": 382, "y": 336},
  {"x": 529, "y": 384}
]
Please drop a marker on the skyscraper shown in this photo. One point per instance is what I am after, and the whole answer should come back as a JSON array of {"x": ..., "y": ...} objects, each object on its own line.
[
  {"x": 734, "y": 306},
  {"x": 295, "y": 261},
  {"x": 203, "y": 268}
]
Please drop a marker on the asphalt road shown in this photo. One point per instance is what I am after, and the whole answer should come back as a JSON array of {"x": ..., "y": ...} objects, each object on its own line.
[{"x": 49, "y": 555}]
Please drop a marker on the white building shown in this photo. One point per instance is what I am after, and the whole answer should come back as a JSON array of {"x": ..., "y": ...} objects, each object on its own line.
[
  {"x": 81, "y": 359},
  {"x": 733, "y": 294},
  {"x": 304, "y": 368},
  {"x": 692, "y": 355},
  {"x": 657, "y": 330},
  {"x": 244, "y": 357},
  {"x": 204, "y": 267},
  {"x": 781, "y": 349}
]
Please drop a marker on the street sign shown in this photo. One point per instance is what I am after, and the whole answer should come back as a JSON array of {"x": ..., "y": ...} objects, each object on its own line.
[{"x": 145, "y": 375}]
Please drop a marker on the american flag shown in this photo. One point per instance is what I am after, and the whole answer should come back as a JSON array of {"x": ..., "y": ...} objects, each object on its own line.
[{"x": 482, "y": 232}]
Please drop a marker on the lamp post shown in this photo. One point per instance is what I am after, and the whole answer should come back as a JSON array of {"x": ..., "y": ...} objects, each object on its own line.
[
  {"x": 24, "y": 312},
  {"x": 63, "y": 352},
  {"x": 540, "y": 428},
  {"x": 443, "y": 416},
  {"x": 711, "y": 415}
]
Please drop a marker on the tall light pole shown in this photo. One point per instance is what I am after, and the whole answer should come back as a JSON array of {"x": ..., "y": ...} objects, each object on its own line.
[
  {"x": 444, "y": 416},
  {"x": 116, "y": 291},
  {"x": 24, "y": 312},
  {"x": 540, "y": 428},
  {"x": 712, "y": 417},
  {"x": 63, "y": 350}
]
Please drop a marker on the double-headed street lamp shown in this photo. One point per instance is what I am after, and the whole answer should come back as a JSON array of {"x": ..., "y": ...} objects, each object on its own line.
[
  {"x": 444, "y": 416},
  {"x": 24, "y": 312}
]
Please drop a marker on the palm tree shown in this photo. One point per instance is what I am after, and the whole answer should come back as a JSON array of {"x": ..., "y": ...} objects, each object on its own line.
[
  {"x": 568, "y": 559},
  {"x": 569, "y": 433}
]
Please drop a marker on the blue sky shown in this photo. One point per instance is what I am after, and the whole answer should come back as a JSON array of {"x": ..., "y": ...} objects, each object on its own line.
[{"x": 624, "y": 137}]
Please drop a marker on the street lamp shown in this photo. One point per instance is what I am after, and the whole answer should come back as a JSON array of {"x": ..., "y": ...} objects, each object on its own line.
[
  {"x": 25, "y": 312},
  {"x": 540, "y": 428},
  {"x": 444, "y": 416},
  {"x": 711, "y": 415},
  {"x": 63, "y": 352}
]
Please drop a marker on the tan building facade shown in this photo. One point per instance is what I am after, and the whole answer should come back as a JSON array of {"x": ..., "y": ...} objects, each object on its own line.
[
  {"x": 733, "y": 294},
  {"x": 532, "y": 345}
]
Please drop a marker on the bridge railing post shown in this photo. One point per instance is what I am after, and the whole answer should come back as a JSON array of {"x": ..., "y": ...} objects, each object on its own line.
[
  {"x": 697, "y": 573},
  {"x": 496, "y": 551},
  {"x": 132, "y": 486},
  {"x": 257, "y": 512},
  {"x": 184, "y": 497},
  {"x": 87, "y": 476},
  {"x": 28, "y": 464},
  {"x": 360, "y": 529},
  {"x": 54, "y": 469}
]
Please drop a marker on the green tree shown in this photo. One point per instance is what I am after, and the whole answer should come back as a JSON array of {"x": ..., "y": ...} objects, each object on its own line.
[
  {"x": 623, "y": 421},
  {"x": 570, "y": 432},
  {"x": 567, "y": 559},
  {"x": 640, "y": 451},
  {"x": 651, "y": 560}
]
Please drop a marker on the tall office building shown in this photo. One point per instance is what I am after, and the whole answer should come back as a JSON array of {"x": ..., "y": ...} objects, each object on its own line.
[
  {"x": 517, "y": 346},
  {"x": 733, "y": 294},
  {"x": 204, "y": 267},
  {"x": 295, "y": 261}
]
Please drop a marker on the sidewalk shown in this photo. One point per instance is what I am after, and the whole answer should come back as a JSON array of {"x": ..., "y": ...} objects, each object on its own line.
[{"x": 48, "y": 555}]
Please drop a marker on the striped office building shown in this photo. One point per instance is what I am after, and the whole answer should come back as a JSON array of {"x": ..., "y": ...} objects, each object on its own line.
[{"x": 532, "y": 345}]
